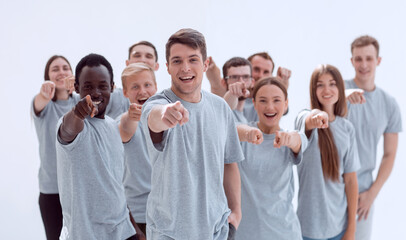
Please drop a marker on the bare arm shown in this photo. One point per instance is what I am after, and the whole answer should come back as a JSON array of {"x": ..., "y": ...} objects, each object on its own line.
[
  {"x": 129, "y": 122},
  {"x": 249, "y": 134},
  {"x": 351, "y": 191},
  {"x": 45, "y": 95},
  {"x": 214, "y": 76},
  {"x": 232, "y": 188},
  {"x": 316, "y": 119},
  {"x": 139, "y": 233},
  {"x": 231, "y": 99},
  {"x": 290, "y": 139}
]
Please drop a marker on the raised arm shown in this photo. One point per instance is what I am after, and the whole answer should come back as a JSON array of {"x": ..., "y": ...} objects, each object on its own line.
[
  {"x": 351, "y": 192},
  {"x": 129, "y": 122},
  {"x": 236, "y": 90},
  {"x": 45, "y": 95},
  {"x": 232, "y": 188},
  {"x": 73, "y": 121},
  {"x": 366, "y": 199},
  {"x": 214, "y": 76}
]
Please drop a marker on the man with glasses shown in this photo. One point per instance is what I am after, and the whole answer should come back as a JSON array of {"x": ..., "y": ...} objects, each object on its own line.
[{"x": 237, "y": 80}]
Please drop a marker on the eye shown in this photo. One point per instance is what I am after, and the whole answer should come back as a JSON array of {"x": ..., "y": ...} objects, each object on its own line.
[
  {"x": 176, "y": 61},
  {"x": 319, "y": 85},
  {"x": 149, "y": 56},
  {"x": 147, "y": 85},
  {"x": 134, "y": 87}
]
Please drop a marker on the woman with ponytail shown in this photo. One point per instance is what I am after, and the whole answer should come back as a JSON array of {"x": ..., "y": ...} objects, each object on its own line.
[{"x": 328, "y": 188}]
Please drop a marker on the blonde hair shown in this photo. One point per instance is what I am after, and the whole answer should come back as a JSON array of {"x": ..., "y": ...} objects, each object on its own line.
[{"x": 135, "y": 68}]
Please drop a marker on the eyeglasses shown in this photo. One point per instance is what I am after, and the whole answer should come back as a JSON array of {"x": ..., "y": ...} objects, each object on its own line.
[{"x": 235, "y": 78}]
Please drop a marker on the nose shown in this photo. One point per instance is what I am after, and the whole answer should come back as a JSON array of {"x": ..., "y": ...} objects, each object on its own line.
[{"x": 185, "y": 67}]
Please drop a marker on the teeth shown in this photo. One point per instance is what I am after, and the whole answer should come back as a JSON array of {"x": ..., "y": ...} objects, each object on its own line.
[
  {"x": 270, "y": 115},
  {"x": 186, "y": 78},
  {"x": 142, "y": 99},
  {"x": 96, "y": 102}
]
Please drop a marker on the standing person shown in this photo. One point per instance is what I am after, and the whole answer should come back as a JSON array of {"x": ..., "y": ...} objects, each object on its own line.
[
  {"x": 139, "y": 85},
  {"x": 238, "y": 81},
  {"x": 195, "y": 177},
  {"x": 144, "y": 52},
  {"x": 378, "y": 115},
  {"x": 51, "y": 103},
  {"x": 328, "y": 188},
  {"x": 90, "y": 160},
  {"x": 266, "y": 173}
]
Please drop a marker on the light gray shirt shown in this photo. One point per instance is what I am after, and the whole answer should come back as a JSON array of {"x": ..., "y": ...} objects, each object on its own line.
[
  {"x": 90, "y": 174},
  {"x": 187, "y": 198},
  {"x": 118, "y": 104},
  {"x": 45, "y": 124},
  {"x": 322, "y": 203},
  {"x": 267, "y": 191},
  {"x": 249, "y": 111},
  {"x": 379, "y": 115},
  {"x": 239, "y": 117}
]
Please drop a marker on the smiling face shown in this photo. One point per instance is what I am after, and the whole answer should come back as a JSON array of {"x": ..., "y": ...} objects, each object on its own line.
[
  {"x": 58, "y": 70},
  {"x": 96, "y": 82},
  {"x": 186, "y": 67},
  {"x": 145, "y": 54},
  {"x": 327, "y": 91},
  {"x": 139, "y": 87},
  {"x": 261, "y": 67},
  {"x": 270, "y": 103},
  {"x": 365, "y": 60}
]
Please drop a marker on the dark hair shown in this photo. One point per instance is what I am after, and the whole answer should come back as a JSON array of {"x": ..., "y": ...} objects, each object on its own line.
[
  {"x": 269, "y": 81},
  {"x": 364, "y": 41},
  {"x": 93, "y": 60},
  {"x": 190, "y": 38},
  {"x": 146, "y": 43},
  {"x": 235, "y": 62},
  {"x": 330, "y": 161},
  {"x": 48, "y": 65},
  {"x": 264, "y": 55}
]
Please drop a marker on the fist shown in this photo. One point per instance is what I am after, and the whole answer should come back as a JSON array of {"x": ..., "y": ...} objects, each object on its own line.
[
  {"x": 238, "y": 89},
  {"x": 355, "y": 96},
  {"x": 85, "y": 107},
  {"x": 134, "y": 112},
  {"x": 282, "y": 139},
  {"x": 319, "y": 120},
  {"x": 284, "y": 74},
  {"x": 174, "y": 114},
  {"x": 69, "y": 83},
  {"x": 48, "y": 90},
  {"x": 254, "y": 136}
]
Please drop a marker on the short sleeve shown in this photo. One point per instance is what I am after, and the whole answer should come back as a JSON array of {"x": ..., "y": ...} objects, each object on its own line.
[
  {"x": 395, "y": 119},
  {"x": 300, "y": 121},
  {"x": 233, "y": 152}
]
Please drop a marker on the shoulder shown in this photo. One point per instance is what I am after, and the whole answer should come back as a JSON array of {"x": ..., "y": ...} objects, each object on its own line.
[
  {"x": 215, "y": 100},
  {"x": 345, "y": 124}
]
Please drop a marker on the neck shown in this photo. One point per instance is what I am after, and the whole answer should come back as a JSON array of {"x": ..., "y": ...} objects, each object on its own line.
[
  {"x": 368, "y": 85},
  {"x": 330, "y": 111},
  {"x": 61, "y": 94},
  {"x": 268, "y": 129},
  {"x": 193, "y": 97}
]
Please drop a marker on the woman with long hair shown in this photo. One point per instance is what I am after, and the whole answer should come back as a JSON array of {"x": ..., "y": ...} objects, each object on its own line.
[
  {"x": 328, "y": 188},
  {"x": 50, "y": 104}
]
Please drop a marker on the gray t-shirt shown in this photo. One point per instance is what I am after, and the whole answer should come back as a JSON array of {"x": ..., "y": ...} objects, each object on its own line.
[
  {"x": 187, "y": 198},
  {"x": 380, "y": 114},
  {"x": 90, "y": 174},
  {"x": 118, "y": 104},
  {"x": 267, "y": 191},
  {"x": 137, "y": 174},
  {"x": 322, "y": 203},
  {"x": 249, "y": 111},
  {"x": 45, "y": 124},
  {"x": 239, "y": 117}
]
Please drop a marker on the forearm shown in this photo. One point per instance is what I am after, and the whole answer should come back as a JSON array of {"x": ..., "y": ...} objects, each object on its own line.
[
  {"x": 232, "y": 187},
  {"x": 39, "y": 103},
  {"x": 296, "y": 142},
  {"x": 127, "y": 127},
  {"x": 243, "y": 131},
  {"x": 351, "y": 192},
  {"x": 231, "y": 100},
  {"x": 216, "y": 87},
  {"x": 71, "y": 126},
  {"x": 155, "y": 122}
]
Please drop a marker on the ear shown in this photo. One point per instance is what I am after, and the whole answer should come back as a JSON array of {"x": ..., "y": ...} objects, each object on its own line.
[
  {"x": 127, "y": 62},
  {"x": 125, "y": 92},
  {"x": 286, "y": 107},
  {"x": 352, "y": 62},
  {"x": 112, "y": 87},
  {"x": 379, "y": 61},
  {"x": 206, "y": 64},
  {"x": 224, "y": 83},
  {"x": 167, "y": 68},
  {"x": 156, "y": 66}
]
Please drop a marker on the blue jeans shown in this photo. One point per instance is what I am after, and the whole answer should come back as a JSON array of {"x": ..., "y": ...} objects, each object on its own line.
[{"x": 338, "y": 237}]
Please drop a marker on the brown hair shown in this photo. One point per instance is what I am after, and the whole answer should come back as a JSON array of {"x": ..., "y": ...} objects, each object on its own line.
[
  {"x": 48, "y": 65},
  {"x": 235, "y": 62},
  {"x": 146, "y": 43},
  {"x": 269, "y": 81},
  {"x": 364, "y": 41},
  {"x": 190, "y": 38},
  {"x": 264, "y": 55},
  {"x": 330, "y": 161}
]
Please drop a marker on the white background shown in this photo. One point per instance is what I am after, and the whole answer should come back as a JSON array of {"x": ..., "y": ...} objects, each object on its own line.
[{"x": 299, "y": 35}]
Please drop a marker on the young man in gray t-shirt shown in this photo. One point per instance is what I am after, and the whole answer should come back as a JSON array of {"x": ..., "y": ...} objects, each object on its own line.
[
  {"x": 373, "y": 113},
  {"x": 195, "y": 177},
  {"x": 90, "y": 161}
]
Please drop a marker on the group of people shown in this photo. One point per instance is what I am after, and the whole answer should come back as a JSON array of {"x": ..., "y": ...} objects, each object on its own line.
[{"x": 185, "y": 163}]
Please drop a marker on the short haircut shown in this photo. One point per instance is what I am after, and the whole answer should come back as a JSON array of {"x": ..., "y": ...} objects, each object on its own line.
[
  {"x": 146, "y": 43},
  {"x": 235, "y": 62},
  {"x": 364, "y": 41},
  {"x": 264, "y": 55},
  {"x": 133, "y": 69},
  {"x": 93, "y": 60},
  {"x": 190, "y": 38}
]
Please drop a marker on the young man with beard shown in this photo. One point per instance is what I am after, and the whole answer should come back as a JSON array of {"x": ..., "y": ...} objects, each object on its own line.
[
  {"x": 374, "y": 113},
  {"x": 195, "y": 188}
]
